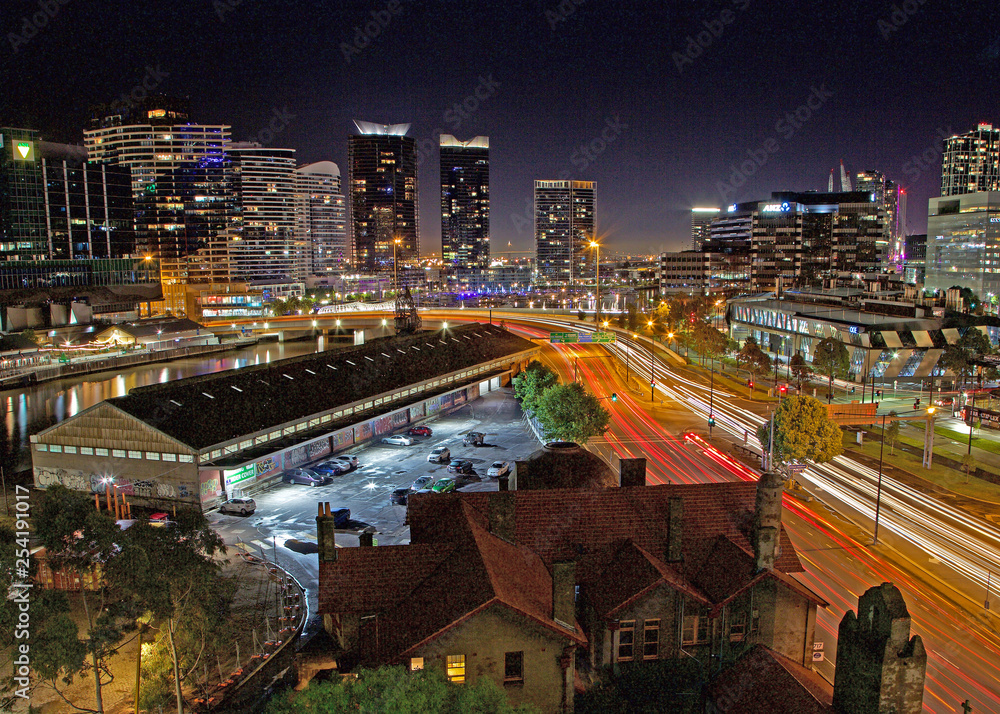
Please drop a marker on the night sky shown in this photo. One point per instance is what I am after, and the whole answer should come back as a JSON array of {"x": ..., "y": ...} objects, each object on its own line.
[{"x": 666, "y": 119}]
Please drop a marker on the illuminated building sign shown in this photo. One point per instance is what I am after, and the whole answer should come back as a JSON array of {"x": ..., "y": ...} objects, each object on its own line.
[
  {"x": 235, "y": 476},
  {"x": 157, "y": 113},
  {"x": 23, "y": 150},
  {"x": 732, "y": 208},
  {"x": 776, "y": 207}
]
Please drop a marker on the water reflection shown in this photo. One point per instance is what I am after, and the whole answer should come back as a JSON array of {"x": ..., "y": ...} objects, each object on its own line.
[{"x": 29, "y": 411}]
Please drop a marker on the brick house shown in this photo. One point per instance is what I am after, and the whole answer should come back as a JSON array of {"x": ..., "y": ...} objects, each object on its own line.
[{"x": 511, "y": 584}]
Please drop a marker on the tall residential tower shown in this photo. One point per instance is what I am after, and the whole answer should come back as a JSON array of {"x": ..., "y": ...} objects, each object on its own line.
[
  {"x": 320, "y": 218},
  {"x": 564, "y": 228},
  {"x": 465, "y": 202},
  {"x": 971, "y": 162},
  {"x": 382, "y": 180}
]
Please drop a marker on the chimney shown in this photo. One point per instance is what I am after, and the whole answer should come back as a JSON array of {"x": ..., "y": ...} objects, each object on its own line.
[
  {"x": 367, "y": 538},
  {"x": 501, "y": 515},
  {"x": 675, "y": 534},
  {"x": 325, "y": 531},
  {"x": 564, "y": 593},
  {"x": 767, "y": 520},
  {"x": 631, "y": 472},
  {"x": 880, "y": 668}
]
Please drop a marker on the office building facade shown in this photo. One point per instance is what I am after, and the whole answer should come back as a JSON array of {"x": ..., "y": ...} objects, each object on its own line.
[
  {"x": 22, "y": 202},
  {"x": 321, "y": 218},
  {"x": 891, "y": 198},
  {"x": 971, "y": 162},
  {"x": 701, "y": 226},
  {"x": 465, "y": 202},
  {"x": 963, "y": 243},
  {"x": 266, "y": 248},
  {"x": 564, "y": 227},
  {"x": 384, "y": 212},
  {"x": 915, "y": 258}
]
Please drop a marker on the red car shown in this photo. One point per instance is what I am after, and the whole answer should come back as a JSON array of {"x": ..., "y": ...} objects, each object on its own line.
[{"x": 419, "y": 431}]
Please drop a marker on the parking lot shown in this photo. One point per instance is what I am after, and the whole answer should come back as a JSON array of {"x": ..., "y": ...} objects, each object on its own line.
[{"x": 286, "y": 514}]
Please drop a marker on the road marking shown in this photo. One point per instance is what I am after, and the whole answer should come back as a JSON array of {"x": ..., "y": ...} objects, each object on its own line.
[{"x": 260, "y": 545}]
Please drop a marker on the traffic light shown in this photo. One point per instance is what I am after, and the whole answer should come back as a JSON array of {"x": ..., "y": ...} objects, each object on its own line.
[
  {"x": 750, "y": 383},
  {"x": 711, "y": 421},
  {"x": 783, "y": 388},
  {"x": 614, "y": 397}
]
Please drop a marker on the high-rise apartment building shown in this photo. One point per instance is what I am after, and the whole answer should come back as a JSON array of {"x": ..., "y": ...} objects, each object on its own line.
[
  {"x": 182, "y": 185},
  {"x": 701, "y": 225},
  {"x": 465, "y": 202},
  {"x": 971, "y": 162},
  {"x": 384, "y": 213},
  {"x": 963, "y": 243},
  {"x": 564, "y": 227},
  {"x": 887, "y": 194},
  {"x": 320, "y": 218},
  {"x": 266, "y": 249}
]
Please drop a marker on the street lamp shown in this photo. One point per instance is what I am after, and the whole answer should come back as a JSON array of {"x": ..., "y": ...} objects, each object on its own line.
[{"x": 597, "y": 280}]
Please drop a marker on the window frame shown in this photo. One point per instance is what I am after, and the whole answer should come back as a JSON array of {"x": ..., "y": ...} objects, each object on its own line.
[
  {"x": 625, "y": 626},
  {"x": 700, "y": 629},
  {"x": 651, "y": 626},
  {"x": 513, "y": 667},
  {"x": 452, "y": 665}
]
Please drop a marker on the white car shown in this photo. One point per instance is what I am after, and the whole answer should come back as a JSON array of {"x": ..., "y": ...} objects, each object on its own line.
[
  {"x": 397, "y": 440},
  {"x": 440, "y": 455},
  {"x": 350, "y": 462},
  {"x": 498, "y": 469},
  {"x": 242, "y": 506}
]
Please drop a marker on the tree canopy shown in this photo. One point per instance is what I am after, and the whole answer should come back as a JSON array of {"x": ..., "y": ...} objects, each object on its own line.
[
  {"x": 831, "y": 358},
  {"x": 752, "y": 357},
  {"x": 567, "y": 413},
  {"x": 802, "y": 430},
  {"x": 532, "y": 382},
  {"x": 961, "y": 357},
  {"x": 800, "y": 370}
]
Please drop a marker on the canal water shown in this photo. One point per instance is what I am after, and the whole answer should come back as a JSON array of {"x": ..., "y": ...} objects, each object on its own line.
[{"x": 28, "y": 411}]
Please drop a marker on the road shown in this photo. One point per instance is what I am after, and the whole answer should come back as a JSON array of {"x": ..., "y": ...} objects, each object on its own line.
[{"x": 932, "y": 551}]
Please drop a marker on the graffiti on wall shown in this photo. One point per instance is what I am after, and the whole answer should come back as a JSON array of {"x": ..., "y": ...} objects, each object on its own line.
[
  {"x": 318, "y": 448},
  {"x": 76, "y": 480},
  {"x": 343, "y": 439}
]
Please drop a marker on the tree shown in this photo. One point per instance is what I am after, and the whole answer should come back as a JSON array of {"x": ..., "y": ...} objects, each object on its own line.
[
  {"x": 751, "y": 357},
  {"x": 892, "y": 433},
  {"x": 393, "y": 689},
  {"x": 29, "y": 334},
  {"x": 171, "y": 572},
  {"x": 802, "y": 430},
  {"x": 968, "y": 465},
  {"x": 529, "y": 385},
  {"x": 831, "y": 359},
  {"x": 567, "y": 413},
  {"x": 78, "y": 537},
  {"x": 800, "y": 370},
  {"x": 962, "y": 356}
]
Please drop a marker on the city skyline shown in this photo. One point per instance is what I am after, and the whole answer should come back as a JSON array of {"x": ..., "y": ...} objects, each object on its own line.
[{"x": 669, "y": 107}]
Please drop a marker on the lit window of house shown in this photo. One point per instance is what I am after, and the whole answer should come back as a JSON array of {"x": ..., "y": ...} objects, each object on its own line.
[
  {"x": 626, "y": 640},
  {"x": 455, "y": 668},
  {"x": 416, "y": 663}
]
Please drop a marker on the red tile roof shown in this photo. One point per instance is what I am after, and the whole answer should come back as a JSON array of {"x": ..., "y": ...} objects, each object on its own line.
[
  {"x": 765, "y": 681},
  {"x": 419, "y": 591}
]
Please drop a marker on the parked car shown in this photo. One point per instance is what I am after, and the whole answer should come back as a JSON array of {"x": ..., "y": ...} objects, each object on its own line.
[
  {"x": 474, "y": 438},
  {"x": 305, "y": 476},
  {"x": 421, "y": 483},
  {"x": 498, "y": 469},
  {"x": 419, "y": 431},
  {"x": 399, "y": 496},
  {"x": 444, "y": 485},
  {"x": 330, "y": 468},
  {"x": 461, "y": 466},
  {"x": 350, "y": 460},
  {"x": 243, "y": 506},
  {"x": 397, "y": 440},
  {"x": 440, "y": 455}
]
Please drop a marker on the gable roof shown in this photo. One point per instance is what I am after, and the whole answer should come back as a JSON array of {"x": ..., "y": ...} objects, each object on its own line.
[
  {"x": 418, "y": 592},
  {"x": 569, "y": 524},
  {"x": 764, "y": 681}
]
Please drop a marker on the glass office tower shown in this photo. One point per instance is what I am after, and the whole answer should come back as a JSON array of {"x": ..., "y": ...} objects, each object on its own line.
[{"x": 465, "y": 202}]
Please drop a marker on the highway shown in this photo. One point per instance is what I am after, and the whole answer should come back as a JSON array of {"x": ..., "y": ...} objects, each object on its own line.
[{"x": 937, "y": 554}]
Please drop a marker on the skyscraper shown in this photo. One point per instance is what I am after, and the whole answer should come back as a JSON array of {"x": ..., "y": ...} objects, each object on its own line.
[
  {"x": 465, "y": 201},
  {"x": 701, "y": 224},
  {"x": 971, "y": 162},
  {"x": 22, "y": 211},
  {"x": 963, "y": 243},
  {"x": 320, "y": 217},
  {"x": 164, "y": 153},
  {"x": 564, "y": 226},
  {"x": 266, "y": 248},
  {"x": 886, "y": 194},
  {"x": 382, "y": 178}
]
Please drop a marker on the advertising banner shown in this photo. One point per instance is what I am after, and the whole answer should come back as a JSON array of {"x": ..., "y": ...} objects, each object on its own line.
[{"x": 233, "y": 478}]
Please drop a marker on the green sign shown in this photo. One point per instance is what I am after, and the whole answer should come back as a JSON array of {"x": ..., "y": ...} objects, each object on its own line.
[
  {"x": 563, "y": 337},
  {"x": 575, "y": 337},
  {"x": 239, "y": 475}
]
